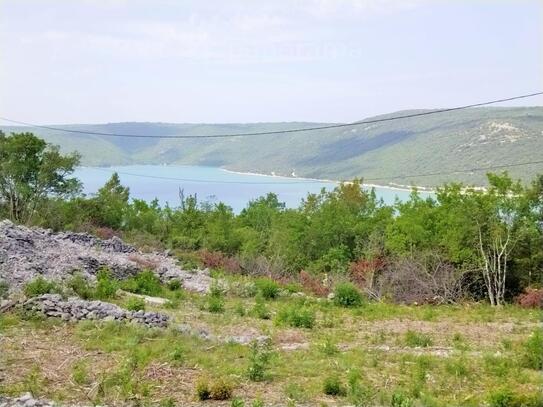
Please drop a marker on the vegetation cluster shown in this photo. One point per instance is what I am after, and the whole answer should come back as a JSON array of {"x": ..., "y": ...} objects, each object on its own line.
[{"x": 463, "y": 243}]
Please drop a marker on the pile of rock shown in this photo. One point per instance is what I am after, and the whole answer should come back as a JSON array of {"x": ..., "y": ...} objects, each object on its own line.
[
  {"x": 26, "y": 253},
  {"x": 25, "y": 400},
  {"x": 75, "y": 309}
]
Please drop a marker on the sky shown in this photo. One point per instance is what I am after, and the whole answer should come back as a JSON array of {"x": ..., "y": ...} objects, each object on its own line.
[{"x": 96, "y": 61}]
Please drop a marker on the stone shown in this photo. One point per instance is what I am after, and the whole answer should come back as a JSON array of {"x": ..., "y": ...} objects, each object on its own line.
[
  {"x": 74, "y": 309},
  {"x": 26, "y": 253}
]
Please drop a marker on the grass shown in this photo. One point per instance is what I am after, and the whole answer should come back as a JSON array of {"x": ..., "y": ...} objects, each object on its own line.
[
  {"x": 379, "y": 353},
  {"x": 416, "y": 339}
]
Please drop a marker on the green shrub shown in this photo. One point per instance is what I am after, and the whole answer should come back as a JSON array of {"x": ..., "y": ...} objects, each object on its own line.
[
  {"x": 80, "y": 374},
  {"x": 40, "y": 286},
  {"x": 347, "y": 295},
  {"x": 359, "y": 394},
  {"x": 328, "y": 347},
  {"x": 332, "y": 386},
  {"x": 417, "y": 340},
  {"x": 216, "y": 290},
  {"x": 268, "y": 288},
  {"x": 174, "y": 285},
  {"x": 106, "y": 286},
  {"x": 215, "y": 304},
  {"x": 239, "y": 309},
  {"x": 145, "y": 282},
  {"x": 81, "y": 287},
  {"x": 294, "y": 288},
  {"x": 237, "y": 402},
  {"x": 4, "y": 289},
  {"x": 260, "y": 309},
  {"x": 399, "y": 399},
  {"x": 257, "y": 403},
  {"x": 135, "y": 304},
  {"x": 202, "y": 390},
  {"x": 532, "y": 357},
  {"x": 296, "y": 316},
  {"x": 221, "y": 389},
  {"x": 259, "y": 360},
  {"x": 502, "y": 398},
  {"x": 178, "y": 354}
]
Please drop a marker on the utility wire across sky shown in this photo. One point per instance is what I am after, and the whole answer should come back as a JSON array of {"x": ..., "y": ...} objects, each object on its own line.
[{"x": 286, "y": 131}]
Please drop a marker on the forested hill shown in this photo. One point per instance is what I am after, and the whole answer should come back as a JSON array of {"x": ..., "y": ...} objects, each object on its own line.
[{"x": 378, "y": 152}]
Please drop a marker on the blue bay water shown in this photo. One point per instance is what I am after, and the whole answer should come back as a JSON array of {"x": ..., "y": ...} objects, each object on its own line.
[{"x": 211, "y": 184}]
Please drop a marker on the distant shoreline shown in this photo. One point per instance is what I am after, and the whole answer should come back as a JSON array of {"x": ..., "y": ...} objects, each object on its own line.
[
  {"x": 394, "y": 187},
  {"x": 404, "y": 188}
]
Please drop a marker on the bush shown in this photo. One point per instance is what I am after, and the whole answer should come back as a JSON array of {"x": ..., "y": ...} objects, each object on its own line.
[
  {"x": 268, "y": 288},
  {"x": 332, "y": 386},
  {"x": 40, "y": 286},
  {"x": 81, "y": 287},
  {"x": 313, "y": 284},
  {"x": 221, "y": 389},
  {"x": 215, "y": 304},
  {"x": 174, "y": 285},
  {"x": 501, "y": 398},
  {"x": 135, "y": 304},
  {"x": 417, "y": 340},
  {"x": 260, "y": 309},
  {"x": 237, "y": 402},
  {"x": 202, "y": 390},
  {"x": 532, "y": 357},
  {"x": 399, "y": 399},
  {"x": 4, "y": 289},
  {"x": 531, "y": 298},
  {"x": 297, "y": 316},
  {"x": 145, "y": 283},
  {"x": 178, "y": 354},
  {"x": 329, "y": 348},
  {"x": 216, "y": 290},
  {"x": 259, "y": 360},
  {"x": 106, "y": 286},
  {"x": 239, "y": 309},
  {"x": 347, "y": 295},
  {"x": 218, "y": 260}
]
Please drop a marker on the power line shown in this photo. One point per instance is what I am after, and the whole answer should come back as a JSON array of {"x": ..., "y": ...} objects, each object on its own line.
[
  {"x": 261, "y": 133},
  {"x": 311, "y": 181}
]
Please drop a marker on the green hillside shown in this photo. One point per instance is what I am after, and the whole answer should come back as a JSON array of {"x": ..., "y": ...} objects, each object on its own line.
[{"x": 382, "y": 153}]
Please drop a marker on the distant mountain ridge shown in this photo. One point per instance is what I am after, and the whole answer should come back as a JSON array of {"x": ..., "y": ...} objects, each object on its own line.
[{"x": 381, "y": 153}]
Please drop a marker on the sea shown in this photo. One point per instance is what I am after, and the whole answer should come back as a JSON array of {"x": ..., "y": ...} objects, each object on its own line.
[{"x": 213, "y": 185}]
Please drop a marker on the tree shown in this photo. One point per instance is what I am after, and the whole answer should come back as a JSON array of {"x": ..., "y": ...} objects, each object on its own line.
[
  {"x": 31, "y": 171},
  {"x": 502, "y": 215},
  {"x": 112, "y": 201}
]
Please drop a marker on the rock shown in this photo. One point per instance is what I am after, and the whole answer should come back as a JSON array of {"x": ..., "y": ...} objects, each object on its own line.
[
  {"x": 26, "y": 253},
  {"x": 73, "y": 309}
]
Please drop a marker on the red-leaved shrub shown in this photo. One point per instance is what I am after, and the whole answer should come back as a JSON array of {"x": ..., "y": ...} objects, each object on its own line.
[
  {"x": 362, "y": 272},
  {"x": 531, "y": 298},
  {"x": 219, "y": 260},
  {"x": 313, "y": 284}
]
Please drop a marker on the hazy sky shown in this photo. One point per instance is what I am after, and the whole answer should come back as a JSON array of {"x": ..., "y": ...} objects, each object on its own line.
[{"x": 91, "y": 61}]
